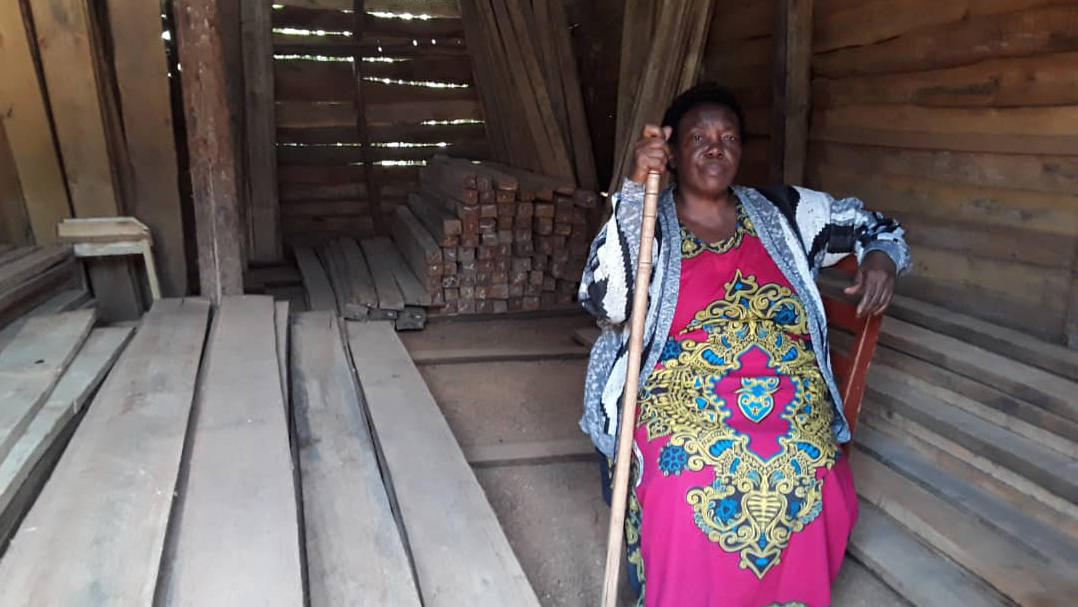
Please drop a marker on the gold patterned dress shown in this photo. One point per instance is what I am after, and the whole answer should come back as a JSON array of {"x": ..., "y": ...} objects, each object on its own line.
[{"x": 740, "y": 496}]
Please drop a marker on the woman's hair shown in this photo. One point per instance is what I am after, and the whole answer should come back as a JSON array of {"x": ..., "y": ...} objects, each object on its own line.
[{"x": 705, "y": 93}]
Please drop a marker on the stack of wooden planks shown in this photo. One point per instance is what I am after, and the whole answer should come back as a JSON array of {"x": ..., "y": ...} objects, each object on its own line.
[
  {"x": 36, "y": 281},
  {"x": 361, "y": 280},
  {"x": 191, "y": 477},
  {"x": 524, "y": 66},
  {"x": 48, "y": 371},
  {"x": 488, "y": 239}
]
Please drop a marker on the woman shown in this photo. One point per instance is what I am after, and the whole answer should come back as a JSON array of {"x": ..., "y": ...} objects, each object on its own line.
[{"x": 739, "y": 495}]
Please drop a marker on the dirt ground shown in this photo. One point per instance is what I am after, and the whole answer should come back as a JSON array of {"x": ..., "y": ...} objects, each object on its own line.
[{"x": 553, "y": 514}]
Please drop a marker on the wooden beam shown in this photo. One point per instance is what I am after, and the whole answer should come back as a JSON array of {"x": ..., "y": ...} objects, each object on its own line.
[
  {"x": 411, "y": 429},
  {"x": 210, "y": 138},
  {"x": 264, "y": 237},
  {"x": 354, "y": 548},
  {"x": 26, "y": 122},
  {"x": 239, "y": 537},
  {"x": 142, "y": 76},
  {"x": 362, "y": 94},
  {"x": 124, "y": 459},
  {"x": 791, "y": 90}
]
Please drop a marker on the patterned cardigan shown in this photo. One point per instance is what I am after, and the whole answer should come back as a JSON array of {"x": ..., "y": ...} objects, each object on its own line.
[{"x": 802, "y": 229}]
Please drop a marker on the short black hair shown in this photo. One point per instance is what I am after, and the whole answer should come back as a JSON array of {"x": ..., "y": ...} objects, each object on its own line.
[{"x": 705, "y": 93}]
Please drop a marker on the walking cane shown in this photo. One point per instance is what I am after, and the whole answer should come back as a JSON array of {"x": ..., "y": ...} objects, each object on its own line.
[{"x": 615, "y": 535}]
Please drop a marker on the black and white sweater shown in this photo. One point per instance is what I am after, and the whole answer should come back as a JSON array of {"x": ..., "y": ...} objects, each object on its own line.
[{"x": 802, "y": 229}]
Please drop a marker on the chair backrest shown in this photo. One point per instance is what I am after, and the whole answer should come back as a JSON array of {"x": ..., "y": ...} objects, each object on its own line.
[{"x": 851, "y": 368}]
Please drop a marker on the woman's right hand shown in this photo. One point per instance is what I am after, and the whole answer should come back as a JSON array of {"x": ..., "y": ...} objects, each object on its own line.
[{"x": 652, "y": 152}]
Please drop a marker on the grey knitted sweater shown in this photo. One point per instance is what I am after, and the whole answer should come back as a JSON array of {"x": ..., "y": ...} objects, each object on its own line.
[{"x": 802, "y": 229}]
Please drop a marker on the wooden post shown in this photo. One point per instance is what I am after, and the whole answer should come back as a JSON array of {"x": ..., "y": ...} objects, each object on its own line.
[
  {"x": 263, "y": 214},
  {"x": 792, "y": 93},
  {"x": 209, "y": 138},
  {"x": 374, "y": 193}
]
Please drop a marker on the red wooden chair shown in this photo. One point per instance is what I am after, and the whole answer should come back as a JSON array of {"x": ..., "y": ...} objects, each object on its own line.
[{"x": 851, "y": 368}]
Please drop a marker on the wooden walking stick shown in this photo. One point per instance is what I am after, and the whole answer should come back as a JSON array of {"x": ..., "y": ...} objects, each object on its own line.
[{"x": 616, "y": 533}]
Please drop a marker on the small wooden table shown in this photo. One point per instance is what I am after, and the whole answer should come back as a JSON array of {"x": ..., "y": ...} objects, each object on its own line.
[{"x": 109, "y": 236}]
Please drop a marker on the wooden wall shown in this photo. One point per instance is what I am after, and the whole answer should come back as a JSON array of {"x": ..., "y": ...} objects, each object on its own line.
[
  {"x": 739, "y": 56},
  {"x": 321, "y": 185},
  {"x": 959, "y": 118}
]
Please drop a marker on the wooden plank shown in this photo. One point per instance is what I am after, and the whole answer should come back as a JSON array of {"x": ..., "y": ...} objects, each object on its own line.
[
  {"x": 315, "y": 282},
  {"x": 305, "y": 114},
  {"x": 378, "y": 251},
  {"x": 540, "y": 452},
  {"x": 73, "y": 297},
  {"x": 920, "y": 574},
  {"x": 282, "y": 322},
  {"x": 410, "y": 429},
  {"x": 79, "y": 100},
  {"x": 27, "y": 127},
  {"x": 1048, "y": 174},
  {"x": 965, "y": 494},
  {"x": 791, "y": 73},
  {"x": 125, "y": 459},
  {"x": 414, "y": 293},
  {"x": 143, "y": 82},
  {"x": 565, "y": 351},
  {"x": 319, "y": 155},
  {"x": 439, "y": 222},
  {"x": 1051, "y": 29},
  {"x": 32, "y": 364},
  {"x": 1023, "y": 579},
  {"x": 354, "y": 549},
  {"x": 12, "y": 254},
  {"x": 358, "y": 272},
  {"x": 339, "y": 21},
  {"x": 406, "y": 133},
  {"x": 317, "y": 208},
  {"x": 747, "y": 21},
  {"x": 259, "y": 84},
  {"x": 36, "y": 290},
  {"x": 414, "y": 241},
  {"x": 237, "y": 500},
  {"x": 25, "y": 267},
  {"x": 578, "y": 130},
  {"x": 1039, "y": 387},
  {"x": 420, "y": 68},
  {"x": 313, "y": 81},
  {"x": 258, "y": 278},
  {"x": 1001, "y": 340},
  {"x": 209, "y": 130},
  {"x": 25, "y": 469}
]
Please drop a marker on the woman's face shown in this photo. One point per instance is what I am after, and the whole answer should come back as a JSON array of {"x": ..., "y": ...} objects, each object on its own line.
[{"x": 708, "y": 149}]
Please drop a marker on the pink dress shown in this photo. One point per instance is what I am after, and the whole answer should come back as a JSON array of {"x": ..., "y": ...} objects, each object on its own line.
[{"x": 741, "y": 498}]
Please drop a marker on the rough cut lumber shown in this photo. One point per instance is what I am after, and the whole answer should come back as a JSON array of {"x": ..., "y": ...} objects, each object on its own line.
[
  {"x": 354, "y": 549},
  {"x": 25, "y": 469},
  {"x": 1039, "y": 387},
  {"x": 237, "y": 540},
  {"x": 282, "y": 322},
  {"x": 920, "y": 574},
  {"x": 209, "y": 130},
  {"x": 32, "y": 364},
  {"x": 26, "y": 124},
  {"x": 15, "y": 225},
  {"x": 415, "y": 243},
  {"x": 80, "y": 95},
  {"x": 357, "y": 272},
  {"x": 264, "y": 236},
  {"x": 378, "y": 251},
  {"x": 74, "y": 297},
  {"x": 11, "y": 255},
  {"x": 100, "y": 522},
  {"x": 441, "y": 223},
  {"x": 414, "y": 293},
  {"x": 1037, "y": 31},
  {"x": 791, "y": 72},
  {"x": 315, "y": 282},
  {"x": 1017, "y": 574},
  {"x": 23, "y": 268},
  {"x": 138, "y": 55},
  {"x": 36, "y": 290},
  {"x": 422, "y": 458},
  {"x": 435, "y": 8}
]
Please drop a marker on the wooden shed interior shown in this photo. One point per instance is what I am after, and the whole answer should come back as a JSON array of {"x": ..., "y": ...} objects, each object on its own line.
[{"x": 461, "y": 151}]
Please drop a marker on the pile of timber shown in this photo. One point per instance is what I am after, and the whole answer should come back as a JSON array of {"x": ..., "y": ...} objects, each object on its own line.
[
  {"x": 489, "y": 239},
  {"x": 49, "y": 369},
  {"x": 367, "y": 279},
  {"x": 35, "y": 281},
  {"x": 190, "y": 475}
]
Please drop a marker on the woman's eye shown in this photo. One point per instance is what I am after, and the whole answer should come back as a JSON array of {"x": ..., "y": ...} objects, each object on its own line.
[{"x": 697, "y": 137}]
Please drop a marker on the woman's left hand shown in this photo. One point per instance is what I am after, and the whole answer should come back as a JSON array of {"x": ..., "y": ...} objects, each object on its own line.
[{"x": 875, "y": 283}]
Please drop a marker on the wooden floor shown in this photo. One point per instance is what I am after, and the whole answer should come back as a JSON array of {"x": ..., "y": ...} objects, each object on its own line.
[{"x": 321, "y": 460}]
